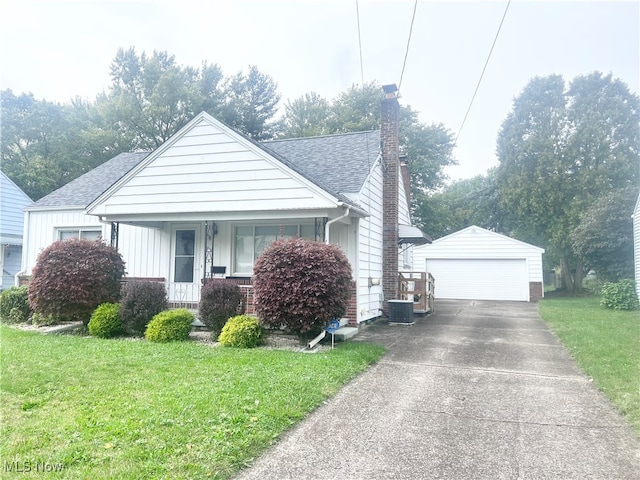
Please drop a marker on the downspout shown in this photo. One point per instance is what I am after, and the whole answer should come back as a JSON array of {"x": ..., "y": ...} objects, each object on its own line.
[
  {"x": 326, "y": 227},
  {"x": 25, "y": 247}
]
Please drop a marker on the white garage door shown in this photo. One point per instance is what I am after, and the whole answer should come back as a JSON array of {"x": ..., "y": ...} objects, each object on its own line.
[{"x": 480, "y": 279}]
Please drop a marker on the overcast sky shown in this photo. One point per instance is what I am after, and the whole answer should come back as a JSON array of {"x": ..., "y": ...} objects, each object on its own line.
[{"x": 61, "y": 49}]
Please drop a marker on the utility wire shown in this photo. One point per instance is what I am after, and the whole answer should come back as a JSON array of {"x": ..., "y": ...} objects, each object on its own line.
[
  {"x": 360, "y": 45},
  {"x": 483, "y": 70},
  {"x": 406, "y": 53}
]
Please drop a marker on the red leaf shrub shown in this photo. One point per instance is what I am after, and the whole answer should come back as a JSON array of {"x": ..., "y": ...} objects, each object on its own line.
[
  {"x": 72, "y": 277},
  {"x": 219, "y": 301},
  {"x": 141, "y": 301},
  {"x": 301, "y": 284}
]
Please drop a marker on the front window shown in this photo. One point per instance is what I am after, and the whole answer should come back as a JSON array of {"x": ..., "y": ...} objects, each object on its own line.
[
  {"x": 86, "y": 234},
  {"x": 251, "y": 241}
]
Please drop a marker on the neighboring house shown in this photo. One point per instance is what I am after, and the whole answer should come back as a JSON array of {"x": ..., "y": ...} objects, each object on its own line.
[
  {"x": 636, "y": 243},
  {"x": 209, "y": 200},
  {"x": 12, "y": 202},
  {"x": 474, "y": 263}
]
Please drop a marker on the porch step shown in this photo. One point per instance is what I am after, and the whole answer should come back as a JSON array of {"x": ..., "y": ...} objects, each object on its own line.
[{"x": 345, "y": 333}]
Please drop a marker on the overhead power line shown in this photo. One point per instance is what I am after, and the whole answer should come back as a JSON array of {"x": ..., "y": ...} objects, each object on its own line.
[
  {"x": 483, "y": 70},
  {"x": 406, "y": 53},
  {"x": 360, "y": 44}
]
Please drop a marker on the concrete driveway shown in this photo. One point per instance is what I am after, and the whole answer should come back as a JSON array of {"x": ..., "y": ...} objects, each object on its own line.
[{"x": 478, "y": 390}]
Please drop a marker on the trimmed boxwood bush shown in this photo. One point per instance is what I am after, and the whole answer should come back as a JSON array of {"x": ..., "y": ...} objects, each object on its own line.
[
  {"x": 301, "y": 284},
  {"x": 219, "y": 300},
  {"x": 141, "y": 301},
  {"x": 105, "y": 321},
  {"x": 241, "y": 331},
  {"x": 72, "y": 277},
  {"x": 170, "y": 326},
  {"x": 14, "y": 305},
  {"x": 620, "y": 295}
]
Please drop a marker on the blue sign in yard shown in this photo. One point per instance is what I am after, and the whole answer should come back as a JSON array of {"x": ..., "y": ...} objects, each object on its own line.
[{"x": 333, "y": 326}]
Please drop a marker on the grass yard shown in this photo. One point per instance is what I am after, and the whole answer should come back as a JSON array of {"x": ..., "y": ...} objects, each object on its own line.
[
  {"x": 123, "y": 409},
  {"x": 605, "y": 344}
]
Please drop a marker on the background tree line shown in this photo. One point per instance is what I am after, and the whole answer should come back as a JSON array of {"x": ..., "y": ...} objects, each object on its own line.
[
  {"x": 568, "y": 153},
  {"x": 567, "y": 180}
]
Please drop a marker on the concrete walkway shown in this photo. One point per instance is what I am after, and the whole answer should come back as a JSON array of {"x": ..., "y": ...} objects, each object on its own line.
[{"x": 478, "y": 390}]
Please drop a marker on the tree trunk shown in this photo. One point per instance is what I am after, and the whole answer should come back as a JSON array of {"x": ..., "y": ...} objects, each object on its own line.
[
  {"x": 578, "y": 277},
  {"x": 566, "y": 280},
  {"x": 571, "y": 278}
]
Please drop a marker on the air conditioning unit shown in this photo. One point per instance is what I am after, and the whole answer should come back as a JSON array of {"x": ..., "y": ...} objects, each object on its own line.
[{"x": 401, "y": 311}]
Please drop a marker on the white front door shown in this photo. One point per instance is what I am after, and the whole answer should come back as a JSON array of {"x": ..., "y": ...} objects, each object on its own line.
[{"x": 186, "y": 262}]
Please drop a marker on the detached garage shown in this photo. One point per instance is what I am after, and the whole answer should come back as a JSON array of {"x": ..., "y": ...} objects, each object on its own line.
[{"x": 477, "y": 264}]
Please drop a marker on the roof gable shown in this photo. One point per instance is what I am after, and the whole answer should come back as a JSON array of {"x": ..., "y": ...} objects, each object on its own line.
[
  {"x": 479, "y": 234},
  {"x": 205, "y": 167}
]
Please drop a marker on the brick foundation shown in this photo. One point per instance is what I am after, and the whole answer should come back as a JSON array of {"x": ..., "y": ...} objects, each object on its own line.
[{"x": 535, "y": 291}]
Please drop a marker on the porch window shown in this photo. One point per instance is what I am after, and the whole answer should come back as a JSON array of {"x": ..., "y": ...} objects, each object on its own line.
[
  {"x": 250, "y": 242},
  {"x": 184, "y": 255},
  {"x": 87, "y": 234}
]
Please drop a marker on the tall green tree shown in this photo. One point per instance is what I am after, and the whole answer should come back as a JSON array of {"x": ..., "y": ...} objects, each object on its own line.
[
  {"x": 428, "y": 147},
  {"x": 561, "y": 149},
  {"x": 45, "y": 145},
  {"x": 150, "y": 98},
  {"x": 307, "y": 116},
  {"x": 604, "y": 236},
  {"x": 463, "y": 203},
  {"x": 251, "y": 103}
]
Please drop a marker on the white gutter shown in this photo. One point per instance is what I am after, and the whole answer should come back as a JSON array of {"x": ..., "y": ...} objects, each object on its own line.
[{"x": 326, "y": 227}]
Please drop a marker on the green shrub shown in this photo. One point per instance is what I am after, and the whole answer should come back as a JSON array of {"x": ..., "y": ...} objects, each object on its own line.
[
  {"x": 169, "y": 326},
  {"x": 72, "y": 277},
  {"x": 105, "y": 321},
  {"x": 301, "y": 284},
  {"x": 219, "y": 300},
  {"x": 40, "y": 319},
  {"x": 620, "y": 295},
  {"x": 241, "y": 331},
  {"x": 14, "y": 305},
  {"x": 141, "y": 301}
]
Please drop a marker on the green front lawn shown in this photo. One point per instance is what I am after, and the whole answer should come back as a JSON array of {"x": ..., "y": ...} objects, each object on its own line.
[
  {"x": 605, "y": 344},
  {"x": 123, "y": 409}
]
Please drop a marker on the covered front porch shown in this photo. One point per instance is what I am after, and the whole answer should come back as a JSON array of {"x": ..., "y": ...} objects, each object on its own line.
[{"x": 184, "y": 255}]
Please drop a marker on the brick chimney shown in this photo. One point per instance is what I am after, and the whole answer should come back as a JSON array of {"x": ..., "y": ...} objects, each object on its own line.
[{"x": 390, "y": 145}]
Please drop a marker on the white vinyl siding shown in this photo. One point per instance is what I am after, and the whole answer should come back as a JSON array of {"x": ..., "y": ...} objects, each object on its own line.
[
  {"x": 370, "y": 246},
  {"x": 44, "y": 228},
  {"x": 12, "y": 201},
  {"x": 480, "y": 279},
  {"x": 209, "y": 169},
  {"x": 405, "y": 256}
]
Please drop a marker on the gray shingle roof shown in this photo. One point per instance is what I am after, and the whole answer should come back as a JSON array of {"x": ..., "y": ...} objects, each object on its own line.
[
  {"x": 86, "y": 188},
  {"x": 342, "y": 162},
  {"x": 338, "y": 164}
]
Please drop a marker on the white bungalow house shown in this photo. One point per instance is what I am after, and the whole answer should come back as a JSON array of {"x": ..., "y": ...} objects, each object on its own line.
[
  {"x": 209, "y": 200},
  {"x": 12, "y": 201}
]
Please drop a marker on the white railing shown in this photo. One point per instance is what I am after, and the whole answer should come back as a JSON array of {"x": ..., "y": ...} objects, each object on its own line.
[{"x": 183, "y": 294}]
